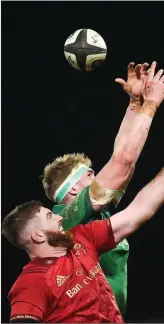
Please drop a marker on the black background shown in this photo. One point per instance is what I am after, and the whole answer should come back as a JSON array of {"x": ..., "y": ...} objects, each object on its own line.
[{"x": 49, "y": 108}]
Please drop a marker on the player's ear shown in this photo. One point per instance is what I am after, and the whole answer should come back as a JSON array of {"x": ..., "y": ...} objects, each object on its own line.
[{"x": 38, "y": 237}]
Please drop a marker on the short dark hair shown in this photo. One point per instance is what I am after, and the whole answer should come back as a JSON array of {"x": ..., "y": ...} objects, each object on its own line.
[{"x": 14, "y": 223}]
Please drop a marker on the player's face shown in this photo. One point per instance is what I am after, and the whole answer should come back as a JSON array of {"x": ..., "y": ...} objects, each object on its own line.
[
  {"x": 49, "y": 221},
  {"x": 85, "y": 180},
  {"x": 51, "y": 225}
]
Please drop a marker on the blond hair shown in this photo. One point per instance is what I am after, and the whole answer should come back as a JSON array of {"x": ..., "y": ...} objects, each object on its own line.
[{"x": 57, "y": 171}]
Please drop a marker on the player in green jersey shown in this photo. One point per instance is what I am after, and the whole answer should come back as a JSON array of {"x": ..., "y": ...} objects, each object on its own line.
[{"x": 80, "y": 197}]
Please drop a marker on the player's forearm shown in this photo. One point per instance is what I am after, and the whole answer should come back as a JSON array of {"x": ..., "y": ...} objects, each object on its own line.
[
  {"x": 149, "y": 200},
  {"x": 143, "y": 207},
  {"x": 126, "y": 125},
  {"x": 132, "y": 144},
  {"x": 117, "y": 173}
]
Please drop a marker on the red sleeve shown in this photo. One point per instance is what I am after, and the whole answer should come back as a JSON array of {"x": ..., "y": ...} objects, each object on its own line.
[
  {"x": 102, "y": 235},
  {"x": 28, "y": 303}
]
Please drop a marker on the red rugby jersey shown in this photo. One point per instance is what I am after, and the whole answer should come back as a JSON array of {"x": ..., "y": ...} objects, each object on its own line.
[{"x": 71, "y": 288}]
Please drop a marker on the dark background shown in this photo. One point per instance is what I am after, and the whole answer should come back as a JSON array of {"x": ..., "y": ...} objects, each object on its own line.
[{"x": 49, "y": 108}]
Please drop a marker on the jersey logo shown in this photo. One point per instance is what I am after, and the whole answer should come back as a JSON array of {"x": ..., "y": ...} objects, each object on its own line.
[
  {"x": 78, "y": 248},
  {"x": 61, "y": 280},
  {"x": 79, "y": 272},
  {"x": 85, "y": 281},
  {"x": 49, "y": 261},
  {"x": 124, "y": 245}
]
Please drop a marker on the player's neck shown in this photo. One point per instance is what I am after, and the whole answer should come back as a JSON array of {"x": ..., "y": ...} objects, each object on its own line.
[{"x": 47, "y": 252}]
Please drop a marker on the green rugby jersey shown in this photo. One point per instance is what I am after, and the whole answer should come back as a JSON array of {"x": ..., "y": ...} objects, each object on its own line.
[{"x": 114, "y": 262}]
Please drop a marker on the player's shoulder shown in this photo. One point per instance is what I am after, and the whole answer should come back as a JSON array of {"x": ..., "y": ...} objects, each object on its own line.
[
  {"x": 85, "y": 234},
  {"x": 82, "y": 232},
  {"x": 87, "y": 230},
  {"x": 32, "y": 275}
]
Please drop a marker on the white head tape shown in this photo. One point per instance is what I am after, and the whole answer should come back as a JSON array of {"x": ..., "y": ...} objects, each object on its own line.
[{"x": 69, "y": 182}]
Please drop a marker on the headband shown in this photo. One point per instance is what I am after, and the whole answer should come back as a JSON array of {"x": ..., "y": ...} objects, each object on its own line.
[{"x": 69, "y": 182}]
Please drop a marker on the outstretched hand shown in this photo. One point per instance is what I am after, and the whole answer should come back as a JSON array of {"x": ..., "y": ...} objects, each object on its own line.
[
  {"x": 136, "y": 77},
  {"x": 153, "y": 86}
]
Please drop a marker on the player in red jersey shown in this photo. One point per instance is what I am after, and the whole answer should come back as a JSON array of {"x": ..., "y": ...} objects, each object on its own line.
[{"x": 64, "y": 282}]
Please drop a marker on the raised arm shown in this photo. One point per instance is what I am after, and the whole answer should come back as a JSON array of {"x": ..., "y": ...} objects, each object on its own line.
[
  {"x": 143, "y": 207},
  {"x": 133, "y": 86},
  {"x": 117, "y": 173}
]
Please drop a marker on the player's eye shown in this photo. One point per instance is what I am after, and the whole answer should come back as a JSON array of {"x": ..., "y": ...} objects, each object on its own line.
[
  {"x": 89, "y": 174},
  {"x": 49, "y": 215}
]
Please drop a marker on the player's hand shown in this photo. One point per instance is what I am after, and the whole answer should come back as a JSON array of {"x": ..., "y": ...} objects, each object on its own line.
[
  {"x": 153, "y": 87},
  {"x": 136, "y": 77}
]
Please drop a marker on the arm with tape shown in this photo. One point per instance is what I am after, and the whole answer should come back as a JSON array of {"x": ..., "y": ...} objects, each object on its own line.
[
  {"x": 113, "y": 179},
  {"x": 111, "y": 182},
  {"x": 101, "y": 196}
]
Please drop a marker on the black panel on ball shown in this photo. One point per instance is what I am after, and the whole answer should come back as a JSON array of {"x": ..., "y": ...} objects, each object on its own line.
[
  {"x": 96, "y": 64},
  {"x": 81, "y": 49}
]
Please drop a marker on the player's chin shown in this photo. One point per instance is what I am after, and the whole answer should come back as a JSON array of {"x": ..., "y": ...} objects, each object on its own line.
[{"x": 60, "y": 239}]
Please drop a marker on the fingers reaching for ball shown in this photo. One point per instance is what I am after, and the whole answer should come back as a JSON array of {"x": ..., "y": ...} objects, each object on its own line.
[
  {"x": 131, "y": 67},
  {"x": 120, "y": 81},
  {"x": 162, "y": 79},
  {"x": 151, "y": 72},
  {"x": 141, "y": 77},
  {"x": 158, "y": 75},
  {"x": 145, "y": 66},
  {"x": 138, "y": 70},
  {"x": 153, "y": 88},
  {"x": 144, "y": 69}
]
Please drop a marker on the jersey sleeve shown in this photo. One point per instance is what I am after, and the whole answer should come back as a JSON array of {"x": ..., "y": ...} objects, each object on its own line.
[
  {"x": 101, "y": 233},
  {"x": 28, "y": 304},
  {"x": 80, "y": 211}
]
